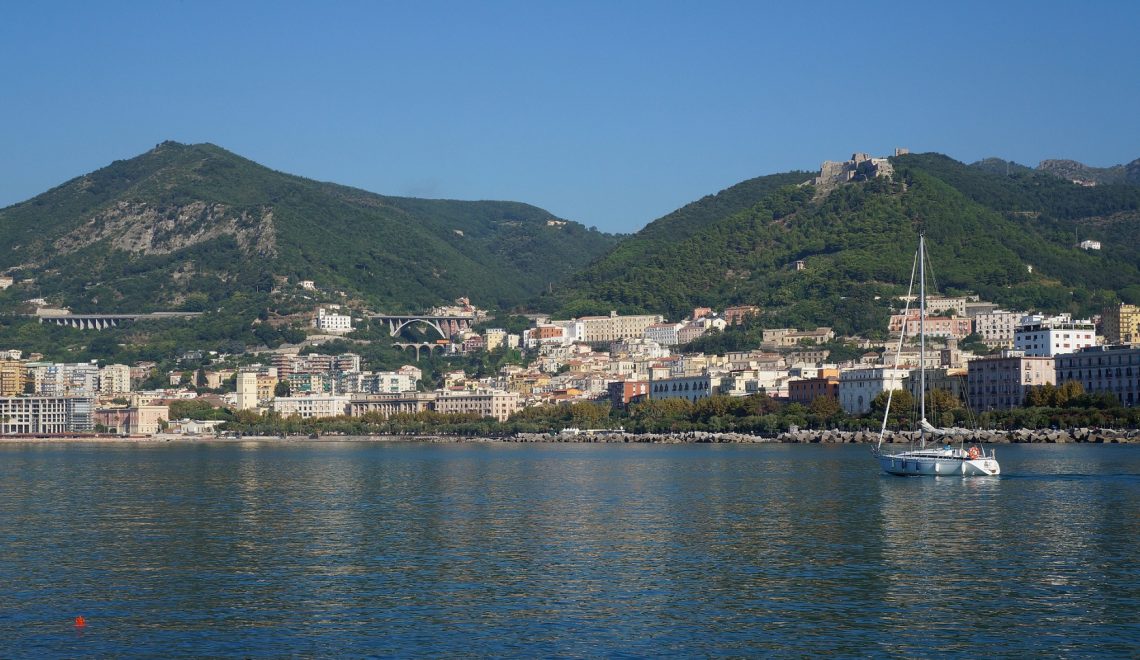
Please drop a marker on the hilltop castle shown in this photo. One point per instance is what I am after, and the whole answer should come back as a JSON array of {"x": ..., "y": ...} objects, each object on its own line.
[{"x": 860, "y": 168}]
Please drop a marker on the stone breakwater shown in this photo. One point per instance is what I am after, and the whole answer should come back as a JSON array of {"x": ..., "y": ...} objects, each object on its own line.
[{"x": 1043, "y": 436}]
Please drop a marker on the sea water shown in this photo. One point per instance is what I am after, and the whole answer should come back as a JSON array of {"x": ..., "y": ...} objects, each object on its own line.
[{"x": 345, "y": 549}]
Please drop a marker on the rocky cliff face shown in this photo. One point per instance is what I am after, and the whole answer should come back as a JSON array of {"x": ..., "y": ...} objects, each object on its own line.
[
  {"x": 137, "y": 227},
  {"x": 1081, "y": 173}
]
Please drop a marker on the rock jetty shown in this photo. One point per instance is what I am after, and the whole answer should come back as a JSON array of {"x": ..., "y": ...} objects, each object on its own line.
[{"x": 1043, "y": 436}]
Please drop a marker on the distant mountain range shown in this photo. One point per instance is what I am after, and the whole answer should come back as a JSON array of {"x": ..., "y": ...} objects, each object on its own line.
[
  {"x": 1070, "y": 170},
  {"x": 195, "y": 227},
  {"x": 189, "y": 226}
]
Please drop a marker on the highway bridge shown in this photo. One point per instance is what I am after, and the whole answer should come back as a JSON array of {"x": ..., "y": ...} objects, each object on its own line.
[
  {"x": 445, "y": 325},
  {"x": 103, "y": 321}
]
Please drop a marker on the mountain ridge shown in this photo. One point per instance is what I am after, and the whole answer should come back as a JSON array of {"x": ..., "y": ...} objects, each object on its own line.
[
  {"x": 1010, "y": 238},
  {"x": 178, "y": 213},
  {"x": 1070, "y": 170}
]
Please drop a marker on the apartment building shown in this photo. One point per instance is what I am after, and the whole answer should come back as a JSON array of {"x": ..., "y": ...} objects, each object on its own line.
[
  {"x": 789, "y": 337},
  {"x": 859, "y": 387},
  {"x": 64, "y": 379},
  {"x": 681, "y": 387},
  {"x": 1001, "y": 382},
  {"x": 46, "y": 415},
  {"x": 114, "y": 379},
  {"x": 307, "y": 407},
  {"x": 997, "y": 327},
  {"x": 388, "y": 382},
  {"x": 1121, "y": 324},
  {"x": 665, "y": 334},
  {"x": 596, "y": 329},
  {"x": 485, "y": 403},
  {"x": 940, "y": 326},
  {"x": 332, "y": 323},
  {"x": 1113, "y": 370},
  {"x": 806, "y": 390},
  {"x": 738, "y": 314},
  {"x": 624, "y": 392},
  {"x": 1038, "y": 336},
  {"x": 13, "y": 376}
]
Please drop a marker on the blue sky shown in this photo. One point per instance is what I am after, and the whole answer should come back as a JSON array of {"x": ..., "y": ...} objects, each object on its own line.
[{"x": 608, "y": 113}]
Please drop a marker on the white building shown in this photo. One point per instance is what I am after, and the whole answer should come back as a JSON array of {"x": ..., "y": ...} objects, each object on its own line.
[
  {"x": 1038, "y": 336},
  {"x": 1090, "y": 245},
  {"x": 390, "y": 382},
  {"x": 64, "y": 379},
  {"x": 746, "y": 382},
  {"x": 331, "y": 323},
  {"x": 46, "y": 415},
  {"x": 859, "y": 387},
  {"x": 665, "y": 334},
  {"x": 246, "y": 390},
  {"x": 307, "y": 407}
]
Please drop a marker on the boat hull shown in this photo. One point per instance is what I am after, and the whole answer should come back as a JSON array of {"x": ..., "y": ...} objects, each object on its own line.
[{"x": 908, "y": 464}]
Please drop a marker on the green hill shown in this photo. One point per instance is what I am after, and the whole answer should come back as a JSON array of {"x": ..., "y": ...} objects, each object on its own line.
[
  {"x": 985, "y": 230},
  {"x": 191, "y": 226}
]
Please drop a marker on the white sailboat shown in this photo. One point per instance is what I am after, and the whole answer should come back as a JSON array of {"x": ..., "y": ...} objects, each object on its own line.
[{"x": 941, "y": 458}]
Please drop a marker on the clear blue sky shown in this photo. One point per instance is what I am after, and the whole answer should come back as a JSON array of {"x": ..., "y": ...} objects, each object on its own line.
[{"x": 609, "y": 113}]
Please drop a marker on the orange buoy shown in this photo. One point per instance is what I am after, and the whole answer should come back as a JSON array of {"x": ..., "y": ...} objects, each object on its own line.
[{"x": 80, "y": 622}]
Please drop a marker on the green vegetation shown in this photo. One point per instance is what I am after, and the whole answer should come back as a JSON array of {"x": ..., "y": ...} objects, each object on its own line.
[
  {"x": 190, "y": 227},
  {"x": 757, "y": 414},
  {"x": 985, "y": 230}
]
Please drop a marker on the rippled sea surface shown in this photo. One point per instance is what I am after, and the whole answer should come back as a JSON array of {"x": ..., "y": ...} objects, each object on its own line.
[{"x": 379, "y": 549}]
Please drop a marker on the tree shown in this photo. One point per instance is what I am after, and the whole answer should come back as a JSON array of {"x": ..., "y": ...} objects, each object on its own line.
[
  {"x": 281, "y": 388},
  {"x": 825, "y": 406},
  {"x": 1069, "y": 391},
  {"x": 902, "y": 403},
  {"x": 940, "y": 401}
]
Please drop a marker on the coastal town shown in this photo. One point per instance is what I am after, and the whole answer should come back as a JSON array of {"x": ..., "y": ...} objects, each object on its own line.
[{"x": 984, "y": 357}]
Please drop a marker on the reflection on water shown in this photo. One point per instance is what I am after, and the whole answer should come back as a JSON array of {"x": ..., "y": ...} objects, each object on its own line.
[{"x": 523, "y": 550}]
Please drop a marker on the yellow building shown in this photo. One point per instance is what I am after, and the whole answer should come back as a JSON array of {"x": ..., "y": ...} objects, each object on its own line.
[
  {"x": 265, "y": 386},
  {"x": 596, "y": 329},
  {"x": 1121, "y": 324},
  {"x": 13, "y": 375},
  {"x": 485, "y": 403}
]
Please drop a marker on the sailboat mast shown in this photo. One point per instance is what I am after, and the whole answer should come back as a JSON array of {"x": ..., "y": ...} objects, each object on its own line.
[{"x": 922, "y": 336}]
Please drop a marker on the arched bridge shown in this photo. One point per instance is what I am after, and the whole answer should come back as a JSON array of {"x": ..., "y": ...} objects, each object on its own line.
[
  {"x": 428, "y": 346},
  {"x": 444, "y": 325}
]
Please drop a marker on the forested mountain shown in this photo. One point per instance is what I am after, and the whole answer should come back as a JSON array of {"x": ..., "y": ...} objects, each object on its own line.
[
  {"x": 191, "y": 226},
  {"x": 1010, "y": 238}
]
